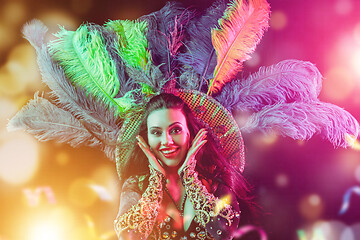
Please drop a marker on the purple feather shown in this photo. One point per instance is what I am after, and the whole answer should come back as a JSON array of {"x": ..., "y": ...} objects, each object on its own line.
[
  {"x": 300, "y": 120},
  {"x": 200, "y": 53},
  {"x": 287, "y": 81},
  {"x": 48, "y": 122},
  {"x": 166, "y": 28}
]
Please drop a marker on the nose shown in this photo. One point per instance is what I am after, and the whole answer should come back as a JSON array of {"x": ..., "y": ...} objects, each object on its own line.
[{"x": 167, "y": 139}]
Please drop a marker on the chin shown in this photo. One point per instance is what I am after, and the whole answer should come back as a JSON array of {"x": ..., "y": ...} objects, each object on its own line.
[{"x": 171, "y": 162}]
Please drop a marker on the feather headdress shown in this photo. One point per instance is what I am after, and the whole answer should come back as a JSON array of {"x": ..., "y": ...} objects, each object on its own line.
[{"x": 101, "y": 77}]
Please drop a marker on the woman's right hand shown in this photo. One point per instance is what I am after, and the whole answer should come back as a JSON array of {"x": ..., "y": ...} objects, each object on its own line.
[{"x": 150, "y": 155}]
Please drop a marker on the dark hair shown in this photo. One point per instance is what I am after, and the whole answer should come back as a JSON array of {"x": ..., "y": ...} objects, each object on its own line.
[{"x": 211, "y": 162}]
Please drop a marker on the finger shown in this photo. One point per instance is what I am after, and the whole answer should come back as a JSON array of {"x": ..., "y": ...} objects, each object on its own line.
[
  {"x": 196, "y": 148},
  {"x": 200, "y": 135},
  {"x": 141, "y": 140}
]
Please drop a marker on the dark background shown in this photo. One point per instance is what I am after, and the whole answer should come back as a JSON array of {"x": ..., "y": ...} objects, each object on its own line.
[{"x": 299, "y": 185}]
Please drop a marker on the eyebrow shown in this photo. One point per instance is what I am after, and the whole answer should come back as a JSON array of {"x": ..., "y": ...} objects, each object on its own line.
[{"x": 174, "y": 123}]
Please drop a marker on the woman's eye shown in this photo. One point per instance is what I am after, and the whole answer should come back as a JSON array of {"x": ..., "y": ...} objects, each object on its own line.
[
  {"x": 155, "y": 132},
  {"x": 176, "y": 130}
]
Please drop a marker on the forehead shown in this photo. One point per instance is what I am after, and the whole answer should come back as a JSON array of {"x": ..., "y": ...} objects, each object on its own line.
[{"x": 165, "y": 117}]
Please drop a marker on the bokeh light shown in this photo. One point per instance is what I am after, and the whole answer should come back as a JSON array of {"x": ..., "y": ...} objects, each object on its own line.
[
  {"x": 18, "y": 159},
  {"x": 62, "y": 158},
  {"x": 8, "y": 36},
  {"x": 105, "y": 176},
  {"x": 282, "y": 180},
  {"x": 80, "y": 193},
  {"x": 338, "y": 78},
  {"x": 56, "y": 223},
  {"x": 81, "y": 6},
  {"x": 13, "y": 12},
  {"x": 343, "y": 7},
  {"x": 329, "y": 230},
  {"x": 357, "y": 173},
  {"x": 46, "y": 231},
  {"x": 278, "y": 20},
  {"x": 356, "y": 34},
  {"x": 254, "y": 60},
  {"x": 311, "y": 207},
  {"x": 55, "y": 18},
  {"x": 347, "y": 234},
  {"x": 22, "y": 66}
]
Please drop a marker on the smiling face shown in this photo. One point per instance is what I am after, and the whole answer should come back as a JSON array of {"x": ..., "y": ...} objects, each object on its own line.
[{"x": 168, "y": 135}]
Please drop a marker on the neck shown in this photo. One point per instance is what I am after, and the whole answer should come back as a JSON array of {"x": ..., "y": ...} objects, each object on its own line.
[
  {"x": 171, "y": 172},
  {"x": 173, "y": 184}
]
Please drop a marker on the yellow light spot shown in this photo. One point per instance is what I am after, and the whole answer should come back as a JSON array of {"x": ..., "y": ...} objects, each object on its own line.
[
  {"x": 352, "y": 142},
  {"x": 8, "y": 109},
  {"x": 45, "y": 231},
  {"x": 81, "y": 194},
  {"x": 18, "y": 159},
  {"x": 23, "y": 67},
  {"x": 8, "y": 36},
  {"x": 62, "y": 158},
  {"x": 9, "y": 86},
  {"x": 222, "y": 203},
  {"x": 13, "y": 12},
  {"x": 106, "y": 176},
  {"x": 55, "y": 18}
]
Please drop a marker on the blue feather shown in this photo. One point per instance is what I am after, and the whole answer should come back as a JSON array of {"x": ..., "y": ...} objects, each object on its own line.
[{"x": 200, "y": 53}]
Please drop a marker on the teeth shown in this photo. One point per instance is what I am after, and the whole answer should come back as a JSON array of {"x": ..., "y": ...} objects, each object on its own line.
[{"x": 169, "y": 151}]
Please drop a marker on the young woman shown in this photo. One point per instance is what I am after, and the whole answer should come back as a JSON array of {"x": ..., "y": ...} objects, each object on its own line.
[
  {"x": 181, "y": 178},
  {"x": 187, "y": 177}
]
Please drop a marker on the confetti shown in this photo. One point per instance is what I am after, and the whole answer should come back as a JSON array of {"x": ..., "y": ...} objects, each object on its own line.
[
  {"x": 346, "y": 200},
  {"x": 248, "y": 228},
  {"x": 33, "y": 196},
  {"x": 318, "y": 234},
  {"x": 102, "y": 192}
]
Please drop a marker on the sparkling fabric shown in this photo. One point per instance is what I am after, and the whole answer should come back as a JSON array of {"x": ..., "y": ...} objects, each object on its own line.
[{"x": 195, "y": 231}]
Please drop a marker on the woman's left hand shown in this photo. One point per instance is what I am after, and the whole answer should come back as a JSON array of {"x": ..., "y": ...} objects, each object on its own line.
[{"x": 197, "y": 143}]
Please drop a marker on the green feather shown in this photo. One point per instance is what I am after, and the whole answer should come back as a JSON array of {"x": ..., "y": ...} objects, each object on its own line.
[
  {"x": 83, "y": 56},
  {"x": 133, "y": 42}
]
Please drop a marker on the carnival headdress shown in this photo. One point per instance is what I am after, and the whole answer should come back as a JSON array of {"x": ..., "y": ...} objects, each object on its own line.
[{"x": 101, "y": 77}]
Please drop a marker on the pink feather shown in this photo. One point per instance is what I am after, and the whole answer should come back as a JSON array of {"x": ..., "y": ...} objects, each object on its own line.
[{"x": 241, "y": 29}]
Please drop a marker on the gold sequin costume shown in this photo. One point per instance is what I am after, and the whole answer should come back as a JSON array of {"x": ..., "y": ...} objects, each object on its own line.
[
  {"x": 140, "y": 217},
  {"x": 140, "y": 220}
]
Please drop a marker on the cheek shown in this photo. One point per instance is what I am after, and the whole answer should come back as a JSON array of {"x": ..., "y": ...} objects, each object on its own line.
[
  {"x": 184, "y": 140},
  {"x": 153, "y": 142}
]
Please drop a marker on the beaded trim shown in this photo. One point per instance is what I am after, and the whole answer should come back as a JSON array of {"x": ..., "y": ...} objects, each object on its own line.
[
  {"x": 141, "y": 217},
  {"x": 203, "y": 202}
]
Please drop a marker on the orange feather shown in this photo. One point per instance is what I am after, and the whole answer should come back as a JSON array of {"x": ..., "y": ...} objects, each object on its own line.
[{"x": 241, "y": 29}]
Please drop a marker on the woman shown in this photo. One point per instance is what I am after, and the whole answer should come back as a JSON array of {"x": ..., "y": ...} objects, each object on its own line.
[
  {"x": 188, "y": 174},
  {"x": 101, "y": 78}
]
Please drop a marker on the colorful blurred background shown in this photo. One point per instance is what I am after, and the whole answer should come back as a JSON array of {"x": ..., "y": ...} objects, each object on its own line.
[{"x": 54, "y": 192}]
